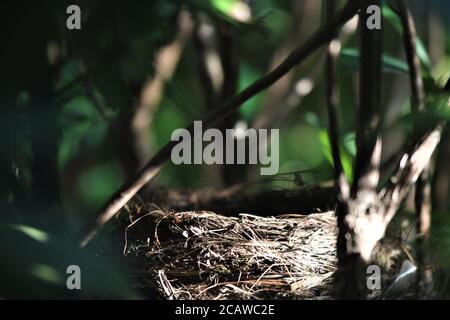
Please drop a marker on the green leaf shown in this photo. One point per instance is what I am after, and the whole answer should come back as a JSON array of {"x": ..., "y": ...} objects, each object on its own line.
[
  {"x": 326, "y": 146},
  {"x": 349, "y": 59},
  {"x": 438, "y": 104},
  {"x": 82, "y": 127},
  {"x": 350, "y": 144},
  {"x": 345, "y": 154},
  {"x": 47, "y": 273},
  {"x": 347, "y": 165},
  {"x": 31, "y": 232},
  {"x": 250, "y": 108}
]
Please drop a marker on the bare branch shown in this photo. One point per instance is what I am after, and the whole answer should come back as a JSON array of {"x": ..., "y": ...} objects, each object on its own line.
[
  {"x": 332, "y": 104},
  {"x": 409, "y": 43},
  {"x": 422, "y": 194},
  {"x": 410, "y": 168},
  {"x": 271, "y": 106},
  {"x": 360, "y": 225},
  {"x": 423, "y": 189},
  {"x": 368, "y": 142},
  {"x": 166, "y": 61},
  {"x": 205, "y": 46}
]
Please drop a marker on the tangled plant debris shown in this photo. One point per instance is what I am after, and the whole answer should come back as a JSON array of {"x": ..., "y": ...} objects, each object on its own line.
[{"x": 202, "y": 255}]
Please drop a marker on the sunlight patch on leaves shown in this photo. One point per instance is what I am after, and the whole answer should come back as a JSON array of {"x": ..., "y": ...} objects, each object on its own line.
[
  {"x": 46, "y": 273},
  {"x": 31, "y": 232}
]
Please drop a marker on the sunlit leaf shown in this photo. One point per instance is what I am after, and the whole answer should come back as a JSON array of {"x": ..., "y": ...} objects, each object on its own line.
[
  {"x": 346, "y": 156},
  {"x": 349, "y": 143},
  {"x": 31, "y": 232},
  {"x": 46, "y": 273}
]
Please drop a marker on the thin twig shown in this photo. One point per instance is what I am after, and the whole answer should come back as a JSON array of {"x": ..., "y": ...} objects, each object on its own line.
[
  {"x": 165, "y": 64},
  {"x": 423, "y": 188},
  {"x": 422, "y": 195},
  {"x": 332, "y": 104},
  {"x": 409, "y": 43},
  {"x": 368, "y": 142},
  {"x": 409, "y": 169},
  {"x": 203, "y": 43}
]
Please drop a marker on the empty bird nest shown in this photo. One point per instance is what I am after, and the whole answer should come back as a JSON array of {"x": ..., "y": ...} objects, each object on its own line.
[{"x": 203, "y": 255}]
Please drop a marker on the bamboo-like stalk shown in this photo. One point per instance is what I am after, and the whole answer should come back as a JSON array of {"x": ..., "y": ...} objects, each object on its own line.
[
  {"x": 363, "y": 219},
  {"x": 422, "y": 195},
  {"x": 359, "y": 228},
  {"x": 332, "y": 105}
]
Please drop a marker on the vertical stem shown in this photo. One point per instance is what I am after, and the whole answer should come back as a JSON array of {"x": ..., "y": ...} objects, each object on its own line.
[
  {"x": 45, "y": 139},
  {"x": 422, "y": 196},
  {"x": 409, "y": 43},
  {"x": 368, "y": 144},
  {"x": 222, "y": 44},
  {"x": 228, "y": 47},
  {"x": 203, "y": 45},
  {"x": 332, "y": 105},
  {"x": 356, "y": 227}
]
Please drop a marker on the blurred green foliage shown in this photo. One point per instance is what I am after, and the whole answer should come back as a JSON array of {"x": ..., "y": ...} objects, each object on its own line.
[{"x": 34, "y": 265}]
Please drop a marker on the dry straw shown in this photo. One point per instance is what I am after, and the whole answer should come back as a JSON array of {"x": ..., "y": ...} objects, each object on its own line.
[{"x": 203, "y": 255}]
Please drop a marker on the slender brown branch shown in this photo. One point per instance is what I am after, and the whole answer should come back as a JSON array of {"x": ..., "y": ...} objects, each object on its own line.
[
  {"x": 422, "y": 195},
  {"x": 367, "y": 226},
  {"x": 359, "y": 222},
  {"x": 165, "y": 63},
  {"x": 204, "y": 46},
  {"x": 89, "y": 84},
  {"x": 368, "y": 142},
  {"x": 284, "y": 96},
  {"x": 271, "y": 106},
  {"x": 409, "y": 170},
  {"x": 332, "y": 104},
  {"x": 152, "y": 168},
  {"x": 409, "y": 43},
  {"x": 423, "y": 188},
  {"x": 229, "y": 56}
]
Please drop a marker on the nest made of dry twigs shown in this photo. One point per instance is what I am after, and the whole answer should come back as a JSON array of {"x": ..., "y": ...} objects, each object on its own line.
[{"x": 203, "y": 255}]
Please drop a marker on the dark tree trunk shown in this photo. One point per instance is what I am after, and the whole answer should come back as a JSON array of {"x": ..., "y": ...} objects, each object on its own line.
[{"x": 359, "y": 218}]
